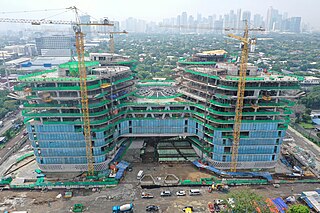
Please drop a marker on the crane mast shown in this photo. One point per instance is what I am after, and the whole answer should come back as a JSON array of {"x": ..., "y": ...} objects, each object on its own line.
[
  {"x": 111, "y": 41},
  {"x": 240, "y": 96},
  {"x": 240, "y": 93},
  {"x": 84, "y": 100}
]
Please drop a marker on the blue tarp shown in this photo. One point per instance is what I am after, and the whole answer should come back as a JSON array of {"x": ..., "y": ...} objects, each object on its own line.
[
  {"x": 122, "y": 166},
  {"x": 119, "y": 153},
  {"x": 119, "y": 174},
  {"x": 280, "y": 204},
  {"x": 209, "y": 167}
]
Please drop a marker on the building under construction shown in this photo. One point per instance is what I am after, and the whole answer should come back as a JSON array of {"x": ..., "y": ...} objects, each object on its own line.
[{"x": 197, "y": 109}]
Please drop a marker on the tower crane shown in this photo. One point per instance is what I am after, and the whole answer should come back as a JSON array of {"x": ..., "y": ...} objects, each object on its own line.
[
  {"x": 240, "y": 93},
  {"x": 79, "y": 35},
  {"x": 111, "y": 44}
]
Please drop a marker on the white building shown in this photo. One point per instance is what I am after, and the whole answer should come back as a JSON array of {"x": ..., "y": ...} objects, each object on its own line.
[{"x": 310, "y": 81}]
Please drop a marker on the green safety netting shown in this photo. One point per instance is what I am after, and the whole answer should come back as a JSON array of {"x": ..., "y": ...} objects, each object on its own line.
[
  {"x": 21, "y": 78},
  {"x": 185, "y": 62},
  {"x": 24, "y": 157},
  {"x": 73, "y": 66}
]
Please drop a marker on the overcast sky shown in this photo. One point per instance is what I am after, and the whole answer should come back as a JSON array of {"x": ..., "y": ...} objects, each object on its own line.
[{"x": 156, "y": 10}]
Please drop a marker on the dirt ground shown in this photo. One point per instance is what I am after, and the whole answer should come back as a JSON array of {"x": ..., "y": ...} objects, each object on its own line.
[
  {"x": 184, "y": 171},
  {"x": 129, "y": 191}
]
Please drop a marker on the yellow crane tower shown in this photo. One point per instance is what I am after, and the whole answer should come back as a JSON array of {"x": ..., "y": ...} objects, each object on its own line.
[
  {"x": 79, "y": 35},
  {"x": 240, "y": 94},
  {"x": 111, "y": 41}
]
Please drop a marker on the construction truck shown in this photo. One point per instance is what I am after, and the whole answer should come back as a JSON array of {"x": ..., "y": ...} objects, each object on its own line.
[
  {"x": 146, "y": 195},
  {"x": 128, "y": 208},
  {"x": 219, "y": 187}
]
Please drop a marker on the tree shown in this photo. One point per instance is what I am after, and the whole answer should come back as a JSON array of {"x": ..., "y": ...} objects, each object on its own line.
[
  {"x": 312, "y": 100},
  {"x": 298, "y": 111},
  {"x": 298, "y": 208},
  {"x": 248, "y": 201}
]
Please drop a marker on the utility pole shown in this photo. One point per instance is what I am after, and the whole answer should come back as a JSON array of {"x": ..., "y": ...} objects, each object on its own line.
[{"x": 6, "y": 71}]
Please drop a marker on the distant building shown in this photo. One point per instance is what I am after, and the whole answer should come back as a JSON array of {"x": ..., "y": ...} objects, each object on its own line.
[
  {"x": 59, "y": 46},
  {"x": 274, "y": 20},
  {"x": 218, "y": 26},
  {"x": 258, "y": 20},
  {"x": 292, "y": 24},
  {"x": 15, "y": 49},
  {"x": 85, "y": 29},
  {"x": 310, "y": 81},
  {"x": 246, "y": 15},
  {"x": 30, "y": 50}
]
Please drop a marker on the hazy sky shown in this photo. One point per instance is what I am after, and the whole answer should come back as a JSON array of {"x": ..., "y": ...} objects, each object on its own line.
[{"x": 156, "y": 10}]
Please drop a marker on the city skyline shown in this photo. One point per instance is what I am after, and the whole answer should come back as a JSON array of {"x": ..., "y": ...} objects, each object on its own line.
[
  {"x": 156, "y": 11},
  {"x": 275, "y": 21}
]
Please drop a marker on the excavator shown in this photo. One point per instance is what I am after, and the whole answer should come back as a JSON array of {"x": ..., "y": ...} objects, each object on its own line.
[{"x": 218, "y": 187}]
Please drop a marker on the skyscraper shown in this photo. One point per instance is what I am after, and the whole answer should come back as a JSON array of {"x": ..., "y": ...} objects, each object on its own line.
[
  {"x": 184, "y": 18},
  {"x": 85, "y": 29},
  {"x": 292, "y": 24},
  {"x": 239, "y": 19},
  {"x": 273, "y": 20},
  {"x": 218, "y": 26},
  {"x": 246, "y": 15},
  {"x": 232, "y": 19},
  {"x": 199, "y": 18},
  {"x": 257, "y": 20},
  {"x": 178, "y": 22}
]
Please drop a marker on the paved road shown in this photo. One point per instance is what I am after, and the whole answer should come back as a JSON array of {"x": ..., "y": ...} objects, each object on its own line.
[
  {"x": 303, "y": 142},
  {"x": 7, "y": 123},
  {"x": 11, "y": 143}
]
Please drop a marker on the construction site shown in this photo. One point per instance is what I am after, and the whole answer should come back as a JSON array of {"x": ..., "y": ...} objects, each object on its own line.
[{"x": 221, "y": 121}]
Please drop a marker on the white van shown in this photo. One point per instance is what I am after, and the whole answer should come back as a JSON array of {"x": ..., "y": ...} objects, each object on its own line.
[
  {"x": 140, "y": 174},
  {"x": 194, "y": 192}
]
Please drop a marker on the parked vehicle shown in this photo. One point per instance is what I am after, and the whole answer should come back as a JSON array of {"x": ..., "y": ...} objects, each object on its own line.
[
  {"x": 123, "y": 208},
  {"x": 146, "y": 195},
  {"x": 194, "y": 192},
  {"x": 181, "y": 193},
  {"x": 140, "y": 174},
  {"x": 16, "y": 212},
  {"x": 152, "y": 208},
  {"x": 211, "y": 207},
  {"x": 165, "y": 193},
  {"x": 1, "y": 123}
]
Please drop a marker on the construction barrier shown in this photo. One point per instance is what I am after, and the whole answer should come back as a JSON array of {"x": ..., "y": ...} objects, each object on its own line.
[{"x": 24, "y": 157}]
